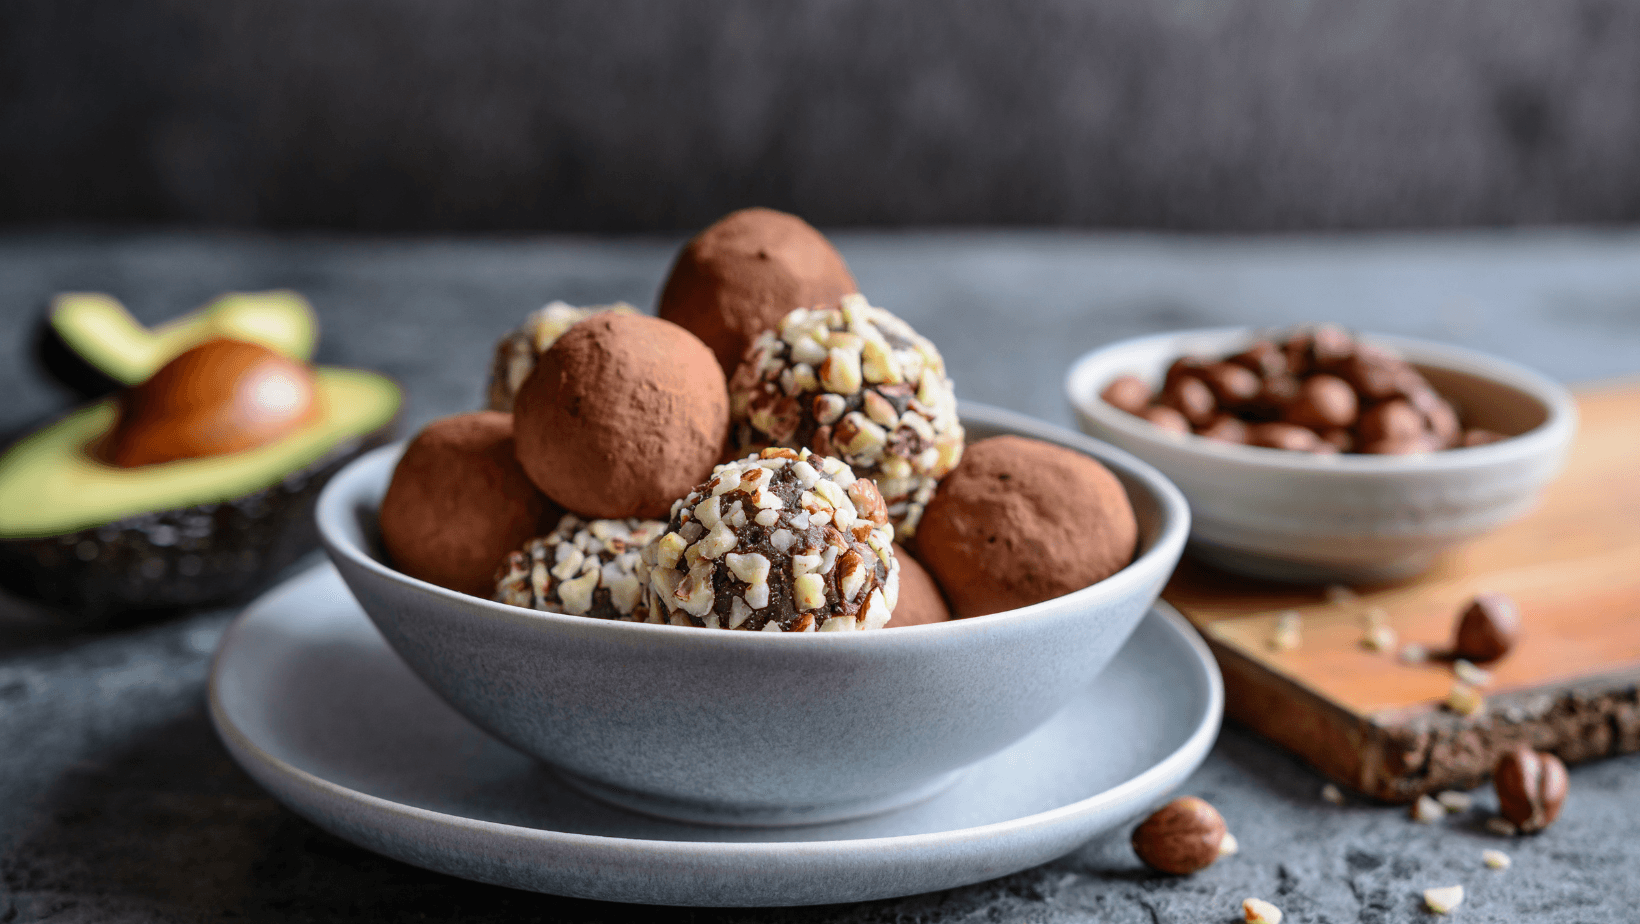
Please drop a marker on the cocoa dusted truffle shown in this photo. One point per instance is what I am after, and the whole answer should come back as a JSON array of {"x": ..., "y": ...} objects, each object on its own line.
[
  {"x": 920, "y": 600},
  {"x": 459, "y": 502},
  {"x": 515, "y": 354},
  {"x": 780, "y": 541},
  {"x": 858, "y": 383},
  {"x": 739, "y": 277},
  {"x": 584, "y": 569},
  {"x": 622, "y": 416},
  {"x": 1021, "y": 521}
]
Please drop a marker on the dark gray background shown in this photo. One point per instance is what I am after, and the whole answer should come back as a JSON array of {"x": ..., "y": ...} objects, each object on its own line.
[
  {"x": 633, "y": 115},
  {"x": 117, "y": 802}
]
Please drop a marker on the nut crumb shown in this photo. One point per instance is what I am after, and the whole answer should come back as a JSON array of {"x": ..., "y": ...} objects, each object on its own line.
[
  {"x": 1339, "y": 594},
  {"x": 1379, "y": 637},
  {"x": 1259, "y": 911},
  {"x": 1465, "y": 700},
  {"x": 1414, "y": 653},
  {"x": 1455, "y": 801},
  {"x": 1375, "y": 616},
  {"x": 1495, "y": 859},
  {"x": 1229, "y": 846},
  {"x": 1427, "y": 811},
  {"x": 1443, "y": 900},
  {"x": 1470, "y": 674},
  {"x": 1288, "y": 632},
  {"x": 1501, "y": 826},
  {"x": 1332, "y": 794}
]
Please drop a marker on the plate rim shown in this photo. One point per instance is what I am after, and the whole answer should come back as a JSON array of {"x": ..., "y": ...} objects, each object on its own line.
[{"x": 1177, "y": 764}]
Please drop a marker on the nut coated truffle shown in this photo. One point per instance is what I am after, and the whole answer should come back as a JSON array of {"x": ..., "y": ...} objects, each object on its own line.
[
  {"x": 781, "y": 541},
  {"x": 739, "y": 277},
  {"x": 1021, "y": 521},
  {"x": 584, "y": 569},
  {"x": 459, "y": 502},
  {"x": 858, "y": 383},
  {"x": 622, "y": 416},
  {"x": 515, "y": 354}
]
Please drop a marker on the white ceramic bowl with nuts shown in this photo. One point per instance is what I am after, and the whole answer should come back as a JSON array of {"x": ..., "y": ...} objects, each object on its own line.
[
  {"x": 1349, "y": 518},
  {"x": 757, "y": 727}
]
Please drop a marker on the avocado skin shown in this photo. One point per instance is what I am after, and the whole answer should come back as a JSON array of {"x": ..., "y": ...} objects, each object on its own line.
[
  {"x": 63, "y": 365},
  {"x": 200, "y": 555}
]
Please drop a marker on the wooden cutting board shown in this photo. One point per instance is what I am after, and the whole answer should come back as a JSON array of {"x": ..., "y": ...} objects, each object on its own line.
[{"x": 1379, "y": 724}]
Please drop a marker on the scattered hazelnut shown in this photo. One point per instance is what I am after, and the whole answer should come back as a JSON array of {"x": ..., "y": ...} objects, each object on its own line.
[
  {"x": 1288, "y": 632},
  {"x": 1182, "y": 836},
  {"x": 1443, "y": 900},
  {"x": 1470, "y": 674},
  {"x": 1465, "y": 700},
  {"x": 1128, "y": 393},
  {"x": 1427, "y": 811},
  {"x": 1487, "y": 628},
  {"x": 1531, "y": 788},
  {"x": 1259, "y": 911},
  {"x": 1495, "y": 859},
  {"x": 1379, "y": 637}
]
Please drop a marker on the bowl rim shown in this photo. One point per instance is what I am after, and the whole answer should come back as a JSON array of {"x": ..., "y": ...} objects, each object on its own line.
[
  {"x": 1155, "y": 564},
  {"x": 1085, "y": 376}
]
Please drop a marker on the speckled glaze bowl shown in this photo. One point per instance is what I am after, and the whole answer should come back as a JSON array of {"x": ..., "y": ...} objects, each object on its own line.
[
  {"x": 749, "y": 727},
  {"x": 1298, "y": 517}
]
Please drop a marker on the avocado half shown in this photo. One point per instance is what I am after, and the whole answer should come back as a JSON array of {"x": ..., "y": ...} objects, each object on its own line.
[
  {"x": 90, "y": 343},
  {"x": 80, "y": 533}
]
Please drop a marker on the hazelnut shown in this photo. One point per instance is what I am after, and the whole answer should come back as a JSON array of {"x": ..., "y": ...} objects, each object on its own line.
[
  {"x": 1394, "y": 421},
  {"x": 1182, "y": 837},
  {"x": 1263, "y": 358},
  {"x": 1531, "y": 788},
  {"x": 1226, "y": 429},
  {"x": 1282, "y": 436},
  {"x": 1191, "y": 397},
  {"x": 1323, "y": 401},
  {"x": 1487, "y": 628},
  {"x": 1166, "y": 418},
  {"x": 1127, "y": 393},
  {"x": 1232, "y": 384}
]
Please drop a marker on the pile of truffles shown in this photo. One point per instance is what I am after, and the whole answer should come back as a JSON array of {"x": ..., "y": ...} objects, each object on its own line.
[
  {"x": 747, "y": 467},
  {"x": 1319, "y": 390}
]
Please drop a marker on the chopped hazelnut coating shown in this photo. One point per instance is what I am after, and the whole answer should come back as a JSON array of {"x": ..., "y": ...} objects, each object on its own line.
[
  {"x": 515, "y": 353},
  {"x": 780, "y": 541},
  {"x": 857, "y": 383},
  {"x": 584, "y": 569}
]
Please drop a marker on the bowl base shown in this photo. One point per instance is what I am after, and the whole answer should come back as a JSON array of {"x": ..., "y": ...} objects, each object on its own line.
[
  {"x": 1288, "y": 571},
  {"x": 743, "y": 816}
]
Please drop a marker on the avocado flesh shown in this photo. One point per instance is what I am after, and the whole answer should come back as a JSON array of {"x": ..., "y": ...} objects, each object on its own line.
[
  {"x": 188, "y": 533},
  {"x": 50, "y": 485},
  {"x": 91, "y": 343}
]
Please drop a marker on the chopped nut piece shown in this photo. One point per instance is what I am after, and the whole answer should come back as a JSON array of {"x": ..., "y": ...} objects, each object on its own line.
[
  {"x": 587, "y": 568},
  {"x": 1259, "y": 911},
  {"x": 1443, "y": 900},
  {"x": 1427, "y": 811},
  {"x": 1379, "y": 638},
  {"x": 515, "y": 355},
  {"x": 1339, "y": 594},
  {"x": 1455, "y": 801},
  {"x": 1288, "y": 632},
  {"x": 1414, "y": 653},
  {"x": 1465, "y": 700},
  {"x": 1229, "y": 846},
  {"x": 1375, "y": 616},
  {"x": 1501, "y": 826},
  {"x": 1495, "y": 859},
  {"x": 1332, "y": 794},
  {"x": 1470, "y": 674}
]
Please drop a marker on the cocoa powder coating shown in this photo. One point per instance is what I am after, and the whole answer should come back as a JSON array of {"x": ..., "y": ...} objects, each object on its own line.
[
  {"x": 622, "y": 416},
  {"x": 1020, "y": 521},
  {"x": 459, "y": 502},
  {"x": 740, "y": 276},
  {"x": 920, "y": 600}
]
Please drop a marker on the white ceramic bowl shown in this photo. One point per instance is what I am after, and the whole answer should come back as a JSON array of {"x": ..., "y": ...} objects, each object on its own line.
[
  {"x": 1299, "y": 517},
  {"x": 751, "y": 727}
]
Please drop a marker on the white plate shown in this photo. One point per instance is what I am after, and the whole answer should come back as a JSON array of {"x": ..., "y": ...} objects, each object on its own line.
[{"x": 313, "y": 704}]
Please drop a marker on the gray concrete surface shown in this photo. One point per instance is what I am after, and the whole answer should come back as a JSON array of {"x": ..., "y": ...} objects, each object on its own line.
[{"x": 117, "y": 803}]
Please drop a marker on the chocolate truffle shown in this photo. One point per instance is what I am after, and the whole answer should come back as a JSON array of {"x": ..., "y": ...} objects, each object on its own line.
[
  {"x": 1021, "y": 521},
  {"x": 920, "y": 600},
  {"x": 459, "y": 502},
  {"x": 780, "y": 541},
  {"x": 858, "y": 383},
  {"x": 621, "y": 416},
  {"x": 584, "y": 569},
  {"x": 739, "y": 277},
  {"x": 516, "y": 353}
]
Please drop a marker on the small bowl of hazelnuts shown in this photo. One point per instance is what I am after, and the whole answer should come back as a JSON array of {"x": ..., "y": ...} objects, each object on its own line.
[{"x": 1319, "y": 455}]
